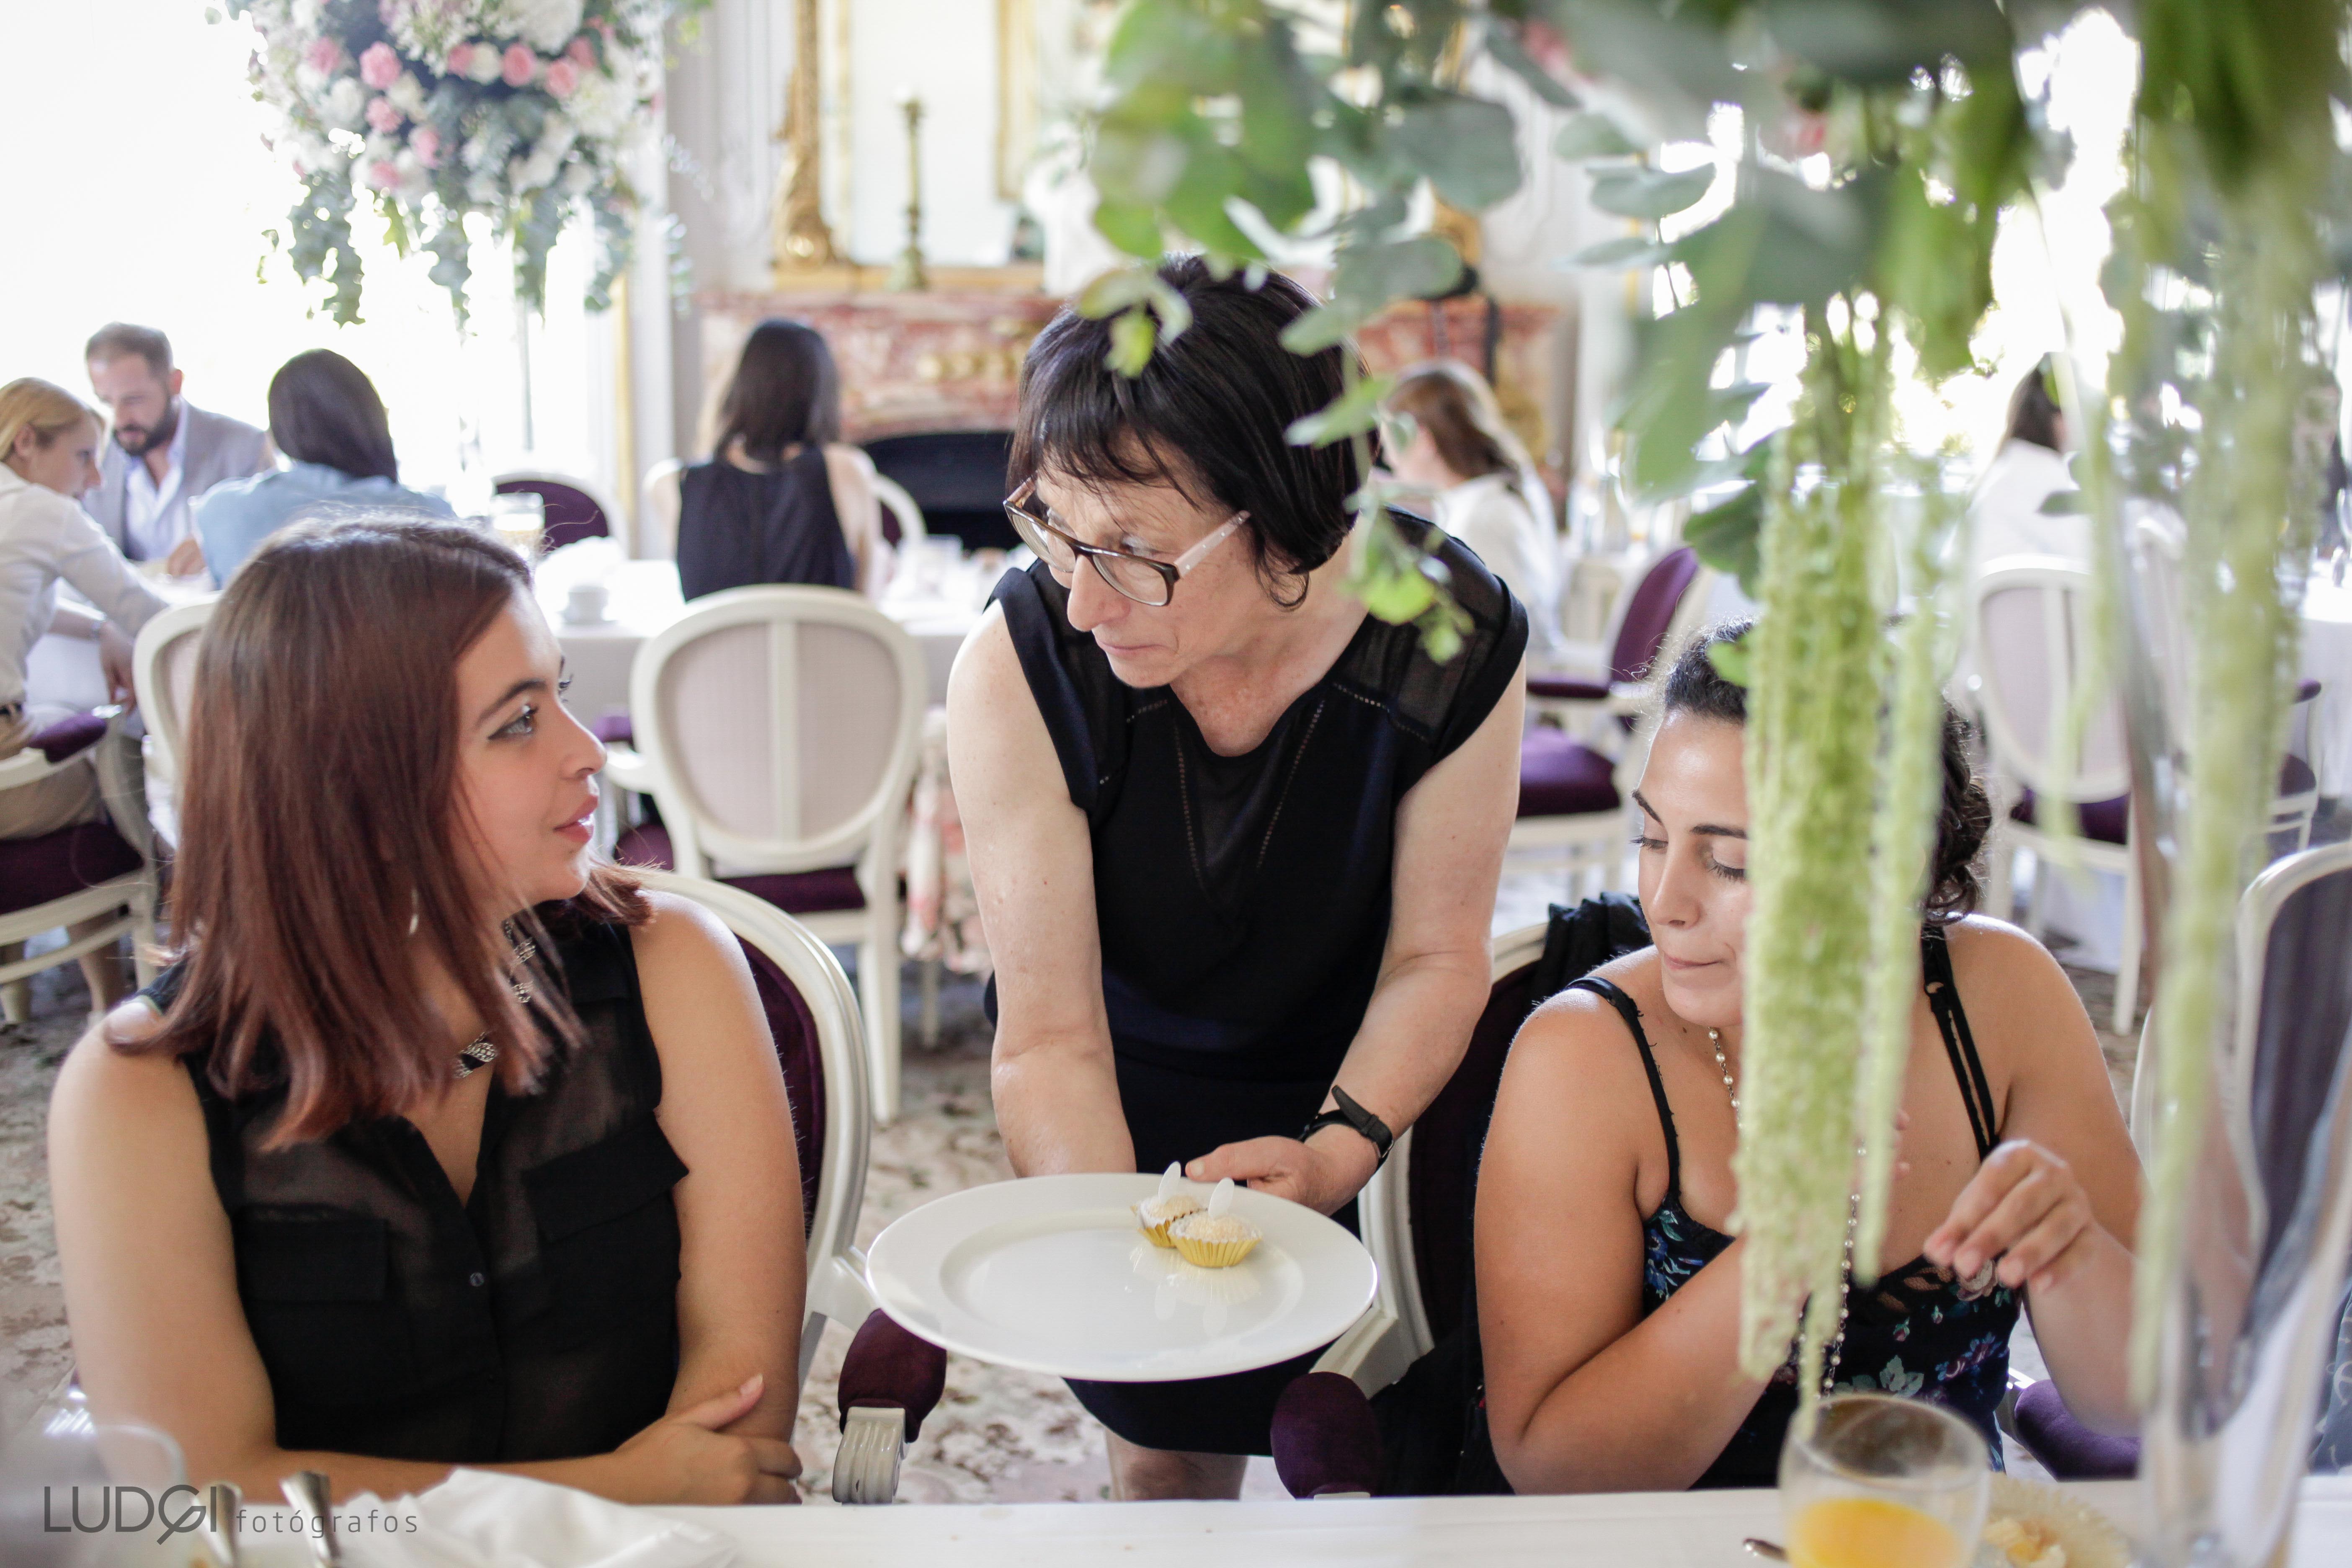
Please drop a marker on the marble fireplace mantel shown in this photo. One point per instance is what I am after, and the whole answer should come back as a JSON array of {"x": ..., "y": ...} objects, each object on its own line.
[{"x": 949, "y": 358}]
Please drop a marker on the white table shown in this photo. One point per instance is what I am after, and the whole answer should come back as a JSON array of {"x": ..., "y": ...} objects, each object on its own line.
[
  {"x": 1634, "y": 1530},
  {"x": 646, "y": 600}
]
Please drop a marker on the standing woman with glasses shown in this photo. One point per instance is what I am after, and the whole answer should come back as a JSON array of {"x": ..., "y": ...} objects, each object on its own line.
[{"x": 1235, "y": 842}]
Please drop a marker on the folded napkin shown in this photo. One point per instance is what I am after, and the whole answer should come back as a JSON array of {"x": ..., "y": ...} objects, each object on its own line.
[{"x": 477, "y": 1518}]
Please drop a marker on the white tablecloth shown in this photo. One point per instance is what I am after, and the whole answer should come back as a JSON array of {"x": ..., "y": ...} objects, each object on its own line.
[
  {"x": 1637, "y": 1529},
  {"x": 645, "y": 599}
]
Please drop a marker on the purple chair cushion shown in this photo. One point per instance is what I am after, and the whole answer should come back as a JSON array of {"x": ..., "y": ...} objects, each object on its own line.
[
  {"x": 572, "y": 515},
  {"x": 1642, "y": 635},
  {"x": 35, "y": 870},
  {"x": 888, "y": 1368},
  {"x": 793, "y": 1028},
  {"x": 1325, "y": 1436},
  {"x": 2108, "y": 821},
  {"x": 2068, "y": 1449},
  {"x": 615, "y": 730},
  {"x": 2295, "y": 776},
  {"x": 795, "y": 893},
  {"x": 77, "y": 733},
  {"x": 1562, "y": 777},
  {"x": 1568, "y": 689}
]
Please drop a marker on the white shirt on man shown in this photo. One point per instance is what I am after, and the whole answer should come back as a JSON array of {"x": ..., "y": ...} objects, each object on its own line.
[
  {"x": 155, "y": 515},
  {"x": 45, "y": 537}
]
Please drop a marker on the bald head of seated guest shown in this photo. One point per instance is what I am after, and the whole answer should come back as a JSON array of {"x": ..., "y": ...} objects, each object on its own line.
[
  {"x": 326, "y": 418},
  {"x": 1609, "y": 1287},
  {"x": 318, "y": 1189}
]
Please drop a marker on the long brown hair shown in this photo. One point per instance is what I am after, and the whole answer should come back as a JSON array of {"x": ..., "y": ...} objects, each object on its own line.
[
  {"x": 324, "y": 849},
  {"x": 1455, "y": 404}
]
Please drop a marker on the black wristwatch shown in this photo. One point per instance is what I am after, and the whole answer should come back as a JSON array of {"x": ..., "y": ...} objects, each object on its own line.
[{"x": 1352, "y": 1114}]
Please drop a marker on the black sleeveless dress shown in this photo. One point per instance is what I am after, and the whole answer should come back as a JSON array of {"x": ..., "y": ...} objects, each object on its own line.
[
  {"x": 737, "y": 529},
  {"x": 536, "y": 1320},
  {"x": 1242, "y": 902}
]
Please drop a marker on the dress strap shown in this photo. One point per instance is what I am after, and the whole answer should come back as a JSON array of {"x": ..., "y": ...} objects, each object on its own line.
[
  {"x": 1609, "y": 992},
  {"x": 1952, "y": 1020}
]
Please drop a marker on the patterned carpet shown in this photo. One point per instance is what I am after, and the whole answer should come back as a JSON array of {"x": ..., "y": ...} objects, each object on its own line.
[{"x": 998, "y": 1435}]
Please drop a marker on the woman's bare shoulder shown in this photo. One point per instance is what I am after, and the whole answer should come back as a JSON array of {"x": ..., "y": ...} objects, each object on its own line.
[
  {"x": 1579, "y": 1034},
  {"x": 104, "y": 1087}
]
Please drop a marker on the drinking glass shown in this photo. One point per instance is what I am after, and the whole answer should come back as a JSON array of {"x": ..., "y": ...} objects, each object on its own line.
[
  {"x": 520, "y": 519},
  {"x": 1883, "y": 1482},
  {"x": 69, "y": 1486}
]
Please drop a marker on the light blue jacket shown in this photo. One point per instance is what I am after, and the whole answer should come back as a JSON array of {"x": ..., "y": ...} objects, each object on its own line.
[{"x": 232, "y": 519}]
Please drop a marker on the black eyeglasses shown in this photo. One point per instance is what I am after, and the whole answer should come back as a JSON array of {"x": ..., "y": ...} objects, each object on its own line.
[{"x": 1136, "y": 577}]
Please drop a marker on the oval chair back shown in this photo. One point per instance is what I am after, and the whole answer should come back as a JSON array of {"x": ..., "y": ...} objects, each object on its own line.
[
  {"x": 163, "y": 666},
  {"x": 2032, "y": 634},
  {"x": 902, "y": 519},
  {"x": 574, "y": 512},
  {"x": 781, "y": 728},
  {"x": 811, "y": 1015},
  {"x": 1651, "y": 611}
]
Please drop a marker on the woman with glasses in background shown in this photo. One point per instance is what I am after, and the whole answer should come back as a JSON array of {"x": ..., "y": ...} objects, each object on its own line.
[{"x": 1235, "y": 842}]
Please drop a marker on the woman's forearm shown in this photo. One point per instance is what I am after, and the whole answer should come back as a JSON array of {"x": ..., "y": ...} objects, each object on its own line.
[
  {"x": 1059, "y": 1109},
  {"x": 1649, "y": 1412},
  {"x": 2083, "y": 1323},
  {"x": 1413, "y": 1034}
]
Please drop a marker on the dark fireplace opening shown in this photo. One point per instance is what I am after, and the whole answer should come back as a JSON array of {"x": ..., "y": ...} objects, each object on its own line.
[{"x": 957, "y": 476}]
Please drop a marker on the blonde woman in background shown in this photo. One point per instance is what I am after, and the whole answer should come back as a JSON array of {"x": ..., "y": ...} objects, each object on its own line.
[
  {"x": 1485, "y": 487},
  {"x": 48, "y": 446}
]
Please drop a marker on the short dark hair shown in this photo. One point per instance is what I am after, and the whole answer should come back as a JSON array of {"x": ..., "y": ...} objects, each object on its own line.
[
  {"x": 784, "y": 393},
  {"x": 116, "y": 339},
  {"x": 2033, "y": 411},
  {"x": 1211, "y": 410},
  {"x": 1694, "y": 685},
  {"x": 323, "y": 409}
]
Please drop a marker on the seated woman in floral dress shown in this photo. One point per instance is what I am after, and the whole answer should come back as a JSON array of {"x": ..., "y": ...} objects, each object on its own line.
[{"x": 1608, "y": 1283}]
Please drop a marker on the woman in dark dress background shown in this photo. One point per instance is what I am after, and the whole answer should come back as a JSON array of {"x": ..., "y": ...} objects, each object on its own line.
[
  {"x": 782, "y": 500},
  {"x": 1235, "y": 843}
]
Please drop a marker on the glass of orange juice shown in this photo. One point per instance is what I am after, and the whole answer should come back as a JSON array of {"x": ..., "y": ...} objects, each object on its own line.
[{"x": 1883, "y": 1482}]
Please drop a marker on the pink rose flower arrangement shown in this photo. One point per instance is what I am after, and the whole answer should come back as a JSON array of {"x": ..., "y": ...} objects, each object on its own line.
[
  {"x": 379, "y": 67},
  {"x": 525, "y": 108}
]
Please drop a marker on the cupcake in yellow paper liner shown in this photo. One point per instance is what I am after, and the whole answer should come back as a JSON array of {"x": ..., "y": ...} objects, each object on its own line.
[
  {"x": 1154, "y": 1215},
  {"x": 1213, "y": 1239}
]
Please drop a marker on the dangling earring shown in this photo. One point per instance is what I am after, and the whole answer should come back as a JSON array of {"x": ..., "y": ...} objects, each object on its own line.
[{"x": 415, "y": 910}]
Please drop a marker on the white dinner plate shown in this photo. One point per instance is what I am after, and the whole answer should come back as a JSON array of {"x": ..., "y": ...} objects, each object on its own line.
[{"x": 1050, "y": 1275}]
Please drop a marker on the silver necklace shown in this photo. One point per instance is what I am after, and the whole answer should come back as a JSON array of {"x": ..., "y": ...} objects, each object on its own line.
[
  {"x": 1831, "y": 1353},
  {"x": 483, "y": 1050}
]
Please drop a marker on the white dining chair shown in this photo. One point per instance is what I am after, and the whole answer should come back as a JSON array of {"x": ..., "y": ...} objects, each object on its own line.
[
  {"x": 1575, "y": 780},
  {"x": 778, "y": 730},
  {"x": 902, "y": 507},
  {"x": 83, "y": 872},
  {"x": 164, "y": 672},
  {"x": 2030, "y": 637},
  {"x": 812, "y": 1014}
]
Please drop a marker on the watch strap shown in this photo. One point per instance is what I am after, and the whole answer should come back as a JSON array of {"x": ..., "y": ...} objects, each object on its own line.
[{"x": 1352, "y": 1114}]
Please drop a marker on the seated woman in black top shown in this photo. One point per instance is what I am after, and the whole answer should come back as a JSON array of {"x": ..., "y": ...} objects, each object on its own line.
[
  {"x": 1608, "y": 1290},
  {"x": 1236, "y": 841},
  {"x": 443, "y": 1143},
  {"x": 782, "y": 500}
]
